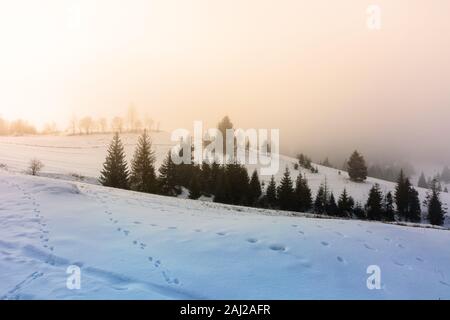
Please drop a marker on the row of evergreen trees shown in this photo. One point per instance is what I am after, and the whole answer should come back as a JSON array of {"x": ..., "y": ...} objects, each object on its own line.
[
  {"x": 231, "y": 184},
  {"x": 228, "y": 183}
]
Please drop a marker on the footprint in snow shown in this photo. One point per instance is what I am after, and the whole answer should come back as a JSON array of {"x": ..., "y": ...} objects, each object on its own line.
[
  {"x": 398, "y": 263},
  {"x": 368, "y": 247},
  {"x": 400, "y": 246},
  {"x": 419, "y": 259},
  {"x": 157, "y": 263},
  {"x": 277, "y": 247},
  {"x": 172, "y": 228},
  {"x": 444, "y": 283},
  {"x": 221, "y": 233},
  {"x": 324, "y": 243},
  {"x": 198, "y": 230},
  {"x": 252, "y": 240},
  {"x": 294, "y": 226},
  {"x": 340, "y": 259},
  {"x": 301, "y": 232}
]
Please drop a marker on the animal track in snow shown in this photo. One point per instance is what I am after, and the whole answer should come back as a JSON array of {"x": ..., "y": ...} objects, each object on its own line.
[
  {"x": 277, "y": 247},
  {"x": 252, "y": 240},
  {"x": 324, "y": 243},
  {"x": 444, "y": 283},
  {"x": 369, "y": 247}
]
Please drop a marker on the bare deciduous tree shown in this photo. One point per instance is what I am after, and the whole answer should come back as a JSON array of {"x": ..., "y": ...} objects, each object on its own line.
[
  {"x": 117, "y": 124},
  {"x": 73, "y": 124},
  {"x": 35, "y": 167},
  {"x": 86, "y": 124},
  {"x": 103, "y": 124}
]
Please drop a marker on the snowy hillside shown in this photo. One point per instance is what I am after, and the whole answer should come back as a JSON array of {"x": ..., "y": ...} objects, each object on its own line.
[
  {"x": 132, "y": 245},
  {"x": 69, "y": 157}
]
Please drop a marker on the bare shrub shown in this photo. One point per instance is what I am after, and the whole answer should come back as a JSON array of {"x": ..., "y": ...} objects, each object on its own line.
[{"x": 35, "y": 167}]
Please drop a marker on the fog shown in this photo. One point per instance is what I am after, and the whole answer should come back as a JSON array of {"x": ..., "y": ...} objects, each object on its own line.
[{"x": 313, "y": 69}]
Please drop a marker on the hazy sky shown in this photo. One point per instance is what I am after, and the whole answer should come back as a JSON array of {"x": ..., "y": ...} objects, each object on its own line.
[{"x": 311, "y": 68}]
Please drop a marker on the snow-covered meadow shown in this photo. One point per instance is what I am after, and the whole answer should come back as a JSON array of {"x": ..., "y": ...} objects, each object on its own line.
[
  {"x": 81, "y": 158},
  {"x": 131, "y": 245},
  {"x": 139, "y": 246}
]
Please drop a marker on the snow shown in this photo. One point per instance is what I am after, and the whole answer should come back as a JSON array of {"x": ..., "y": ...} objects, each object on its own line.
[
  {"x": 72, "y": 157},
  {"x": 139, "y": 246}
]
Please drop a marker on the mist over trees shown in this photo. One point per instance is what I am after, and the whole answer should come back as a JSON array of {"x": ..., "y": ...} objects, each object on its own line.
[
  {"x": 230, "y": 183},
  {"x": 17, "y": 127},
  {"x": 131, "y": 122}
]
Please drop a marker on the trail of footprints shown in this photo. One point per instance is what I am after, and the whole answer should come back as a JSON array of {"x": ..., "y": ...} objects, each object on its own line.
[
  {"x": 274, "y": 247},
  {"x": 35, "y": 213},
  {"x": 156, "y": 263}
]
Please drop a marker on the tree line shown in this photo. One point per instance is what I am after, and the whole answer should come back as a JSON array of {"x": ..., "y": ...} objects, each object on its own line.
[
  {"x": 131, "y": 122},
  {"x": 230, "y": 183},
  {"x": 16, "y": 127}
]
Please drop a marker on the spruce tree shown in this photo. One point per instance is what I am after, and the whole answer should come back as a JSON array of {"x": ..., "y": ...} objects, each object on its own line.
[
  {"x": 194, "y": 188},
  {"x": 167, "y": 176},
  {"x": 327, "y": 163},
  {"x": 357, "y": 169},
  {"x": 422, "y": 181},
  {"x": 407, "y": 200},
  {"x": 221, "y": 193},
  {"x": 436, "y": 211},
  {"x": 238, "y": 183},
  {"x": 345, "y": 204},
  {"x": 143, "y": 176},
  {"x": 414, "y": 209},
  {"x": 254, "y": 190},
  {"x": 115, "y": 171},
  {"x": 286, "y": 192},
  {"x": 388, "y": 207},
  {"x": 445, "y": 175},
  {"x": 302, "y": 195},
  {"x": 206, "y": 185},
  {"x": 402, "y": 190},
  {"x": 215, "y": 171},
  {"x": 374, "y": 203},
  {"x": 359, "y": 211},
  {"x": 271, "y": 193},
  {"x": 321, "y": 200},
  {"x": 331, "y": 207}
]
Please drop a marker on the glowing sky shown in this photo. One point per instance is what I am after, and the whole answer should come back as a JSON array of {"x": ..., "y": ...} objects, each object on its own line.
[{"x": 310, "y": 68}]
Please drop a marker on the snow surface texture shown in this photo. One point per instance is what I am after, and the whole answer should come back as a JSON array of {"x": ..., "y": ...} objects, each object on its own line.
[
  {"x": 139, "y": 246},
  {"x": 81, "y": 158}
]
